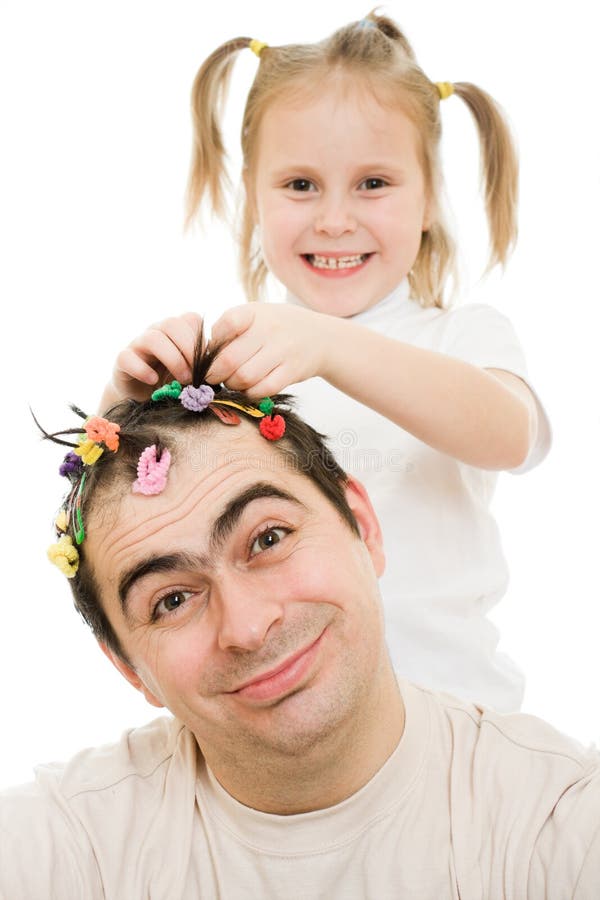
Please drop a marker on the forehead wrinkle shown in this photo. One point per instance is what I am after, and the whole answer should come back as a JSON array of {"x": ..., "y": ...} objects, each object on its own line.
[{"x": 179, "y": 509}]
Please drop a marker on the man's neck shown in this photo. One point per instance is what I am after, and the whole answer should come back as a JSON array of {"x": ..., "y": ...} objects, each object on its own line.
[{"x": 326, "y": 773}]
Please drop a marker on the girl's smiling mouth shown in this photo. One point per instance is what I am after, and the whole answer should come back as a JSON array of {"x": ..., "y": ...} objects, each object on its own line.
[{"x": 336, "y": 264}]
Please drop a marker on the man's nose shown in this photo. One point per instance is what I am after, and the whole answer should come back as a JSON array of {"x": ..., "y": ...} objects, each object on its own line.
[
  {"x": 248, "y": 609},
  {"x": 335, "y": 216}
]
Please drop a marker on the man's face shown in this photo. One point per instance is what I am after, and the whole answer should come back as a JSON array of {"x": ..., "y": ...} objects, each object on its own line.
[{"x": 244, "y": 602}]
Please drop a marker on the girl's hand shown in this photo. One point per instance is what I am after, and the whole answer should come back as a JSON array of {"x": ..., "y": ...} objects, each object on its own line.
[
  {"x": 163, "y": 352},
  {"x": 267, "y": 347}
]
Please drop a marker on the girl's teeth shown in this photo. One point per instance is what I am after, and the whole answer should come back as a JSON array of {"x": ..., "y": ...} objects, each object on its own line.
[{"x": 336, "y": 262}]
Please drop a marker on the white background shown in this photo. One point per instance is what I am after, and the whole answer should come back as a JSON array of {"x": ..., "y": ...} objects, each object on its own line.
[{"x": 95, "y": 149}]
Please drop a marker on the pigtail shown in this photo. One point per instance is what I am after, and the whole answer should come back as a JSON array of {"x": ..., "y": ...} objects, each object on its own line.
[
  {"x": 208, "y": 171},
  {"x": 500, "y": 170}
]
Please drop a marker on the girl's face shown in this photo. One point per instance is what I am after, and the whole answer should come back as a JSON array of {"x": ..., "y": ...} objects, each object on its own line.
[{"x": 339, "y": 197}]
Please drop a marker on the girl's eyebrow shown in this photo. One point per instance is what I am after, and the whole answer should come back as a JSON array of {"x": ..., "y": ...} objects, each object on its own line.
[{"x": 221, "y": 528}]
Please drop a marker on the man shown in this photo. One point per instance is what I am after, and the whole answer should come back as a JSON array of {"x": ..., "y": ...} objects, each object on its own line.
[{"x": 243, "y": 598}]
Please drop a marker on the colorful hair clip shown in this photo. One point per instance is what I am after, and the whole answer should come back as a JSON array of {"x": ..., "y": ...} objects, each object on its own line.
[
  {"x": 89, "y": 451},
  {"x": 72, "y": 464},
  {"x": 76, "y": 514},
  {"x": 227, "y": 416},
  {"x": 61, "y": 522},
  {"x": 266, "y": 406},
  {"x": 102, "y": 431},
  {"x": 196, "y": 399},
  {"x": 272, "y": 427},
  {"x": 152, "y": 469},
  {"x": 64, "y": 555},
  {"x": 248, "y": 410},
  {"x": 169, "y": 391}
]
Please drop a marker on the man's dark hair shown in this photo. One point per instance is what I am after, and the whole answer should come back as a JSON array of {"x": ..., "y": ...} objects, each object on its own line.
[{"x": 163, "y": 423}]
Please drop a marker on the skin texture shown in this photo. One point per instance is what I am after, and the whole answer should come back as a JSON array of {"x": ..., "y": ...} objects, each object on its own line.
[{"x": 287, "y": 584}]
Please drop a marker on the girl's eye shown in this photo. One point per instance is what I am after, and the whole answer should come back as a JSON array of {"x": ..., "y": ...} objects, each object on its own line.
[
  {"x": 267, "y": 539},
  {"x": 301, "y": 184},
  {"x": 371, "y": 184},
  {"x": 170, "y": 603}
]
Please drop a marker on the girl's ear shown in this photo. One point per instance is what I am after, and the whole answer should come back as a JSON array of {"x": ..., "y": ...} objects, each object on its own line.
[
  {"x": 367, "y": 521},
  {"x": 130, "y": 675}
]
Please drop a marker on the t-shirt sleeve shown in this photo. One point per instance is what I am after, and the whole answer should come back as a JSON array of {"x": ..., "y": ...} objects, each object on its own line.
[
  {"x": 566, "y": 862},
  {"x": 43, "y": 852},
  {"x": 484, "y": 337}
]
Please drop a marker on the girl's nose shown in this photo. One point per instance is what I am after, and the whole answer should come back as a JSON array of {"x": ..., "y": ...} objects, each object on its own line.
[{"x": 335, "y": 218}]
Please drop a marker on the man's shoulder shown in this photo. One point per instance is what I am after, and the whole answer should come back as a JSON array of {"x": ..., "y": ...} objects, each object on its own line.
[
  {"x": 519, "y": 734},
  {"x": 137, "y": 756},
  {"x": 139, "y": 753},
  {"x": 97, "y": 811}
]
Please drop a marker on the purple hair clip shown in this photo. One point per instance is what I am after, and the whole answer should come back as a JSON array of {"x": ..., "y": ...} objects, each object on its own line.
[
  {"x": 196, "y": 399},
  {"x": 72, "y": 464}
]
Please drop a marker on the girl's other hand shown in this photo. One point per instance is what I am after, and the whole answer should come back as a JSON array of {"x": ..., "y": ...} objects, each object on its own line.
[
  {"x": 267, "y": 347},
  {"x": 164, "y": 352}
]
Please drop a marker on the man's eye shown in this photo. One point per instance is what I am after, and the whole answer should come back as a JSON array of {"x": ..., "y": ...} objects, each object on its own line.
[
  {"x": 301, "y": 184},
  {"x": 267, "y": 539},
  {"x": 371, "y": 184},
  {"x": 170, "y": 603}
]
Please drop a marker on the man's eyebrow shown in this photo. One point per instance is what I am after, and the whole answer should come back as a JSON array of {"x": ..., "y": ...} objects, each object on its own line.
[
  {"x": 169, "y": 562},
  {"x": 226, "y": 522},
  {"x": 221, "y": 529}
]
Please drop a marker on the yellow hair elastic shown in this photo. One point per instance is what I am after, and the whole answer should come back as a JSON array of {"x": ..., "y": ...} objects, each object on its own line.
[
  {"x": 445, "y": 88},
  {"x": 65, "y": 556},
  {"x": 257, "y": 46},
  {"x": 89, "y": 451},
  {"x": 61, "y": 523}
]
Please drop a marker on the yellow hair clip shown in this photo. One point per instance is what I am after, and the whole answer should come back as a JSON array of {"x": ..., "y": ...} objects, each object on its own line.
[
  {"x": 65, "y": 556},
  {"x": 61, "y": 523},
  {"x": 445, "y": 88},
  {"x": 257, "y": 46},
  {"x": 249, "y": 410},
  {"x": 89, "y": 451}
]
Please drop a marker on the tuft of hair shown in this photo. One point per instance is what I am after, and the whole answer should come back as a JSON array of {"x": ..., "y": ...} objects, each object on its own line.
[{"x": 375, "y": 51}]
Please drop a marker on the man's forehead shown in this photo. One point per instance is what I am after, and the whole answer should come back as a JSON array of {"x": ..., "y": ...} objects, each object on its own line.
[{"x": 201, "y": 476}]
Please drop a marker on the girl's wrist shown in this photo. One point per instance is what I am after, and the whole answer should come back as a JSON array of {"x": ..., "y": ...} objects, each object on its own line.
[{"x": 331, "y": 338}]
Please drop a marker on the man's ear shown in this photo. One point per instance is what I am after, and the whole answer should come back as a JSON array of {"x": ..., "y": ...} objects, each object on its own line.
[
  {"x": 130, "y": 675},
  {"x": 370, "y": 531}
]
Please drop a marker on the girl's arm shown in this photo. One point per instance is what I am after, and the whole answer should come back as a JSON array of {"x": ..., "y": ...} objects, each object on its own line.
[{"x": 483, "y": 417}]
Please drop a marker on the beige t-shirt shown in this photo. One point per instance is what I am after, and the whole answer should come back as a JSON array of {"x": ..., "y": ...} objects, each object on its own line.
[{"x": 471, "y": 805}]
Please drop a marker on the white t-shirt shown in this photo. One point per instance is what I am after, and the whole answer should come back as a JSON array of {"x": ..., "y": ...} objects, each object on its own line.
[
  {"x": 445, "y": 568},
  {"x": 471, "y": 805}
]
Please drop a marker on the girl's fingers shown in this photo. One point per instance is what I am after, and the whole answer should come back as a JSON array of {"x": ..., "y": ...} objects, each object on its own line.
[
  {"x": 253, "y": 371},
  {"x": 155, "y": 346},
  {"x": 273, "y": 382},
  {"x": 183, "y": 332},
  {"x": 232, "y": 323},
  {"x": 232, "y": 357},
  {"x": 131, "y": 365}
]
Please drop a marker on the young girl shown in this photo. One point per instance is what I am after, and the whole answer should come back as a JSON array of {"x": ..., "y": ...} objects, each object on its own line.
[{"x": 423, "y": 403}]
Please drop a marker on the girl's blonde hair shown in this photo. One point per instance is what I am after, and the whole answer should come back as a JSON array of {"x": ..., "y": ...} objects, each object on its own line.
[{"x": 376, "y": 51}]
